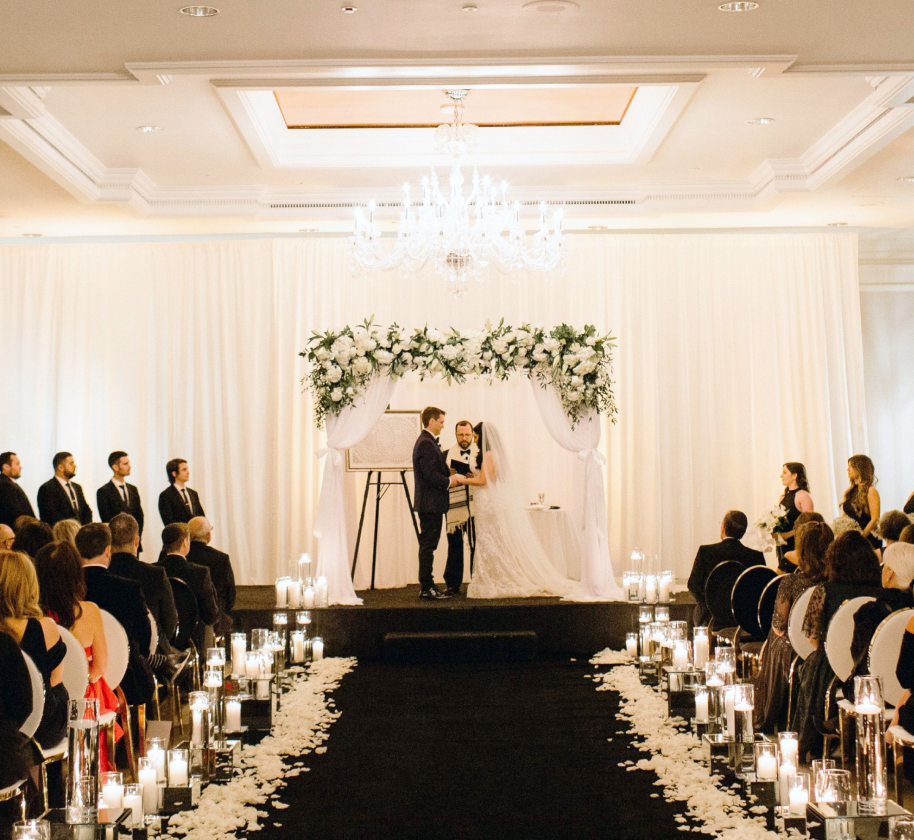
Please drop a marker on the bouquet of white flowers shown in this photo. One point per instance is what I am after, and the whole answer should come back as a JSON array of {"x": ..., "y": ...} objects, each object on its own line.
[{"x": 771, "y": 525}]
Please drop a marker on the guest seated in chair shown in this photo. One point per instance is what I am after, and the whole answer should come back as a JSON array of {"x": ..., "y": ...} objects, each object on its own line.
[
  {"x": 220, "y": 570},
  {"x": 32, "y": 537},
  {"x": 124, "y": 600},
  {"x": 891, "y": 524},
  {"x": 771, "y": 683},
  {"x": 176, "y": 546},
  {"x": 65, "y": 531},
  {"x": 732, "y": 529},
  {"x": 7, "y": 537},
  {"x": 852, "y": 570},
  {"x": 63, "y": 598}
]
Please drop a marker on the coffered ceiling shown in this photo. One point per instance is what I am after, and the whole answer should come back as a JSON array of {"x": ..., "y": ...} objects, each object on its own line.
[{"x": 631, "y": 114}]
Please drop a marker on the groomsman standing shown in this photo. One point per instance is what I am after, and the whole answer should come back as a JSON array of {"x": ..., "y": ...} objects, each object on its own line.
[
  {"x": 13, "y": 501},
  {"x": 61, "y": 497},
  {"x": 117, "y": 496},
  {"x": 179, "y": 503}
]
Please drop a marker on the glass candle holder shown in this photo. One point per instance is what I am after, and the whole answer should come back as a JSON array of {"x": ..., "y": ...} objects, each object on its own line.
[
  {"x": 147, "y": 776},
  {"x": 155, "y": 752},
  {"x": 178, "y": 768},
  {"x": 833, "y": 786},
  {"x": 298, "y": 647},
  {"x": 280, "y": 620},
  {"x": 303, "y": 618},
  {"x": 766, "y": 761},
  {"x": 133, "y": 801},
  {"x": 681, "y": 655},
  {"x": 232, "y": 714},
  {"x": 701, "y": 646},
  {"x": 260, "y": 638},
  {"x": 82, "y": 745},
  {"x": 869, "y": 709},
  {"x": 645, "y": 614},
  {"x": 307, "y": 597},
  {"x": 678, "y": 630},
  {"x": 82, "y": 800},
  {"x": 317, "y": 649},
  {"x": 239, "y": 652},
  {"x": 664, "y": 586},
  {"x": 631, "y": 645},
  {"x": 112, "y": 785},
  {"x": 282, "y": 591},
  {"x": 701, "y": 705},
  {"x": 32, "y": 830},
  {"x": 321, "y": 592},
  {"x": 215, "y": 657},
  {"x": 200, "y": 706},
  {"x": 725, "y": 656},
  {"x": 631, "y": 583},
  {"x": 293, "y": 594},
  {"x": 662, "y": 614},
  {"x": 728, "y": 710},
  {"x": 798, "y": 795},
  {"x": 253, "y": 664},
  {"x": 650, "y": 589},
  {"x": 816, "y": 767},
  {"x": 789, "y": 747}
]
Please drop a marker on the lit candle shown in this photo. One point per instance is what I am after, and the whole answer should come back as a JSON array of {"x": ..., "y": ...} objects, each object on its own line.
[
  {"x": 701, "y": 650},
  {"x": 320, "y": 592},
  {"x": 262, "y": 689},
  {"x": 133, "y": 801},
  {"x": 799, "y": 797},
  {"x": 148, "y": 779},
  {"x": 253, "y": 664},
  {"x": 298, "y": 646},
  {"x": 239, "y": 649},
  {"x": 731, "y": 713},
  {"x": 282, "y": 591},
  {"x": 665, "y": 582},
  {"x": 767, "y": 768},
  {"x": 212, "y": 678},
  {"x": 157, "y": 753},
  {"x": 196, "y": 735},
  {"x": 789, "y": 750},
  {"x": 701, "y": 705},
  {"x": 295, "y": 594},
  {"x": 787, "y": 772},
  {"x": 868, "y": 709},
  {"x": 308, "y": 598},
  {"x": 113, "y": 792},
  {"x": 631, "y": 645},
  {"x": 650, "y": 591},
  {"x": 177, "y": 769},
  {"x": 317, "y": 649},
  {"x": 680, "y": 656},
  {"x": 233, "y": 715}
]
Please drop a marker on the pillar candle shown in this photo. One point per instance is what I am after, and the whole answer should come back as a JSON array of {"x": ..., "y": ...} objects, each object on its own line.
[
  {"x": 282, "y": 591},
  {"x": 665, "y": 589},
  {"x": 789, "y": 750},
  {"x": 701, "y": 651},
  {"x": 196, "y": 736},
  {"x": 177, "y": 772},
  {"x": 253, "y": 664},
  {"x": 650, "y": 591},
  {"x": 308, "y": 598},
  {"x": 788, "y": 771},
  {"x": 147, "y": 778},
  {"x": 767, "y": 769},
  {"x": 631, "y": 647},
  {"x": 233, "y": 715},
  {"x": 799, "y": 797},
  {"x": 113, "y": 792},
  {"x": 239, "y": 650},
  {"x": 134, "y": 801},
  {"x": 298, "y": 646},
  {"x": 701, "y": 705},
  {"x": 317, "y": 650},
  {"x": 731, "y": 714},
  {"x": 157, "y": 754},
  {"x": 680, "y": 656},
  {"x": 295, "y": 594}
]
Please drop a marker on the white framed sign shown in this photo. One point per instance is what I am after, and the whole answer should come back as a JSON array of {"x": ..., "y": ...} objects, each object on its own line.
[{"x": 389, "y": 445}]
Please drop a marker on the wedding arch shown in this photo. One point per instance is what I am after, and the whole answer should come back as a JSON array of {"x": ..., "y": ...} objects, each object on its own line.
[{"x": 353, "y": 375}]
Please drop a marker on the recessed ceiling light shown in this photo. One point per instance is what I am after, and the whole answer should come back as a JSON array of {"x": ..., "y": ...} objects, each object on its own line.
[
  {"x": 199, "y": 11},
  {"x": 349, "y": 10},
  {"x": 148, "y": 129},
  {"x": 837, "y": 224},
  {"x": 907, "y": 179},
  {"x": 762, "y": 121},
  {"x": 739, "y": 6},
  {"x": 470, "y": 8},
  {"x": 597, "y": 227},
  {"x": 550, "y": 7},
  {"x": 31, "y": 235}
]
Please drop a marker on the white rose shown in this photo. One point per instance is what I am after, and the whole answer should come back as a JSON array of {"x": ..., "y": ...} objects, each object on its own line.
[
  {"x": 323, "y": 354},
  {"x": 434, "y": 335},
  {"x": 591, "y": 341},
  {"x": 397, "y": 348},
  {"x": 407, "y": 357},
  {"x": 361, "y": 366},
  {"x": 552, "y": 345},
  {"x": 334, "y": 374},
  {"x": 336, "y": 395},
  {"x": 383, "y": 357},
  {"x": 499, "y": 345},
  {"x": 450, "y": 352}
]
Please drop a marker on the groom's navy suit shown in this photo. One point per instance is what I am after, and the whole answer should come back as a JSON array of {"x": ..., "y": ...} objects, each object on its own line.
[{"x": 433, "y": 480}]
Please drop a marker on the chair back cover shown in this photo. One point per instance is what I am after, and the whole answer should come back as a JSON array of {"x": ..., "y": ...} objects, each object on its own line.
[
  {"x": 118, "y": 649},
  {"x": 30, "y": 727},
  {"x": 718, "y": 592},
  {"x": 766, "y": 604},
  {"x": 839, "y": 636},
  {"x": 798, "y": 641},
  {"x": 188, "y": 613},
  {"x": 744, "y": 600},
  {"x": 884, "y": 651},
  {"x": 154, "y": 639},
  {"x": 75, "y": 666}
]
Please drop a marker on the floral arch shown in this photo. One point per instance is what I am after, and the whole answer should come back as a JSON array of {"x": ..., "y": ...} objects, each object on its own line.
[{"x": 354, "y": 372}]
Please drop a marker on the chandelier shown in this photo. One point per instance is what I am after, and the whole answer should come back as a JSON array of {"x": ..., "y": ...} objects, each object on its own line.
[{"x": 461, "y": 233}]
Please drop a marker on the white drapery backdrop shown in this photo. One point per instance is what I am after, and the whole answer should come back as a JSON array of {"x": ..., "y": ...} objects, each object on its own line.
[{"x": 736, "y": 353}]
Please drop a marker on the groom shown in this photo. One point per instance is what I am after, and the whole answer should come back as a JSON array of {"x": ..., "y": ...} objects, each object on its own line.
[{"x": 433, "y": 480}]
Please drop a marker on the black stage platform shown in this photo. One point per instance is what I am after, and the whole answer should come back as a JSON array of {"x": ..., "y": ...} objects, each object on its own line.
[{"x": 564, "y": 627}]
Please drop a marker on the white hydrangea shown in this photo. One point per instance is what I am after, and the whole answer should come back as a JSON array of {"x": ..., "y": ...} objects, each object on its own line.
[
  {"x": 336, "y": 394},
  {"x": 334, "y": 373}
]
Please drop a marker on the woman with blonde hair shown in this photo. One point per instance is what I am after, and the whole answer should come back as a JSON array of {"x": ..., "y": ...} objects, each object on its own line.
[
  {"x": 861, "y": 499},
  {"x": 65, "y": 531},
  {"x": 21, "y": 618}
]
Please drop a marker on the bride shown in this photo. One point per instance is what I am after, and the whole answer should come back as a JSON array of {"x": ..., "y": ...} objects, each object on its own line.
[{"x": 509, "y": 560}]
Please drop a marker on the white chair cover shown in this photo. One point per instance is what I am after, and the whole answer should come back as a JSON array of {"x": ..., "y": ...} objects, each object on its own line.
[
  {"x": 75, "y": 666},
  {"x": 801, "y": 645},
  {"x": 884, "y": 650},
  {"x": 839, "y": 636},
  {"x": 118, "y": 649},
  {"x": 30, "y": 727}
]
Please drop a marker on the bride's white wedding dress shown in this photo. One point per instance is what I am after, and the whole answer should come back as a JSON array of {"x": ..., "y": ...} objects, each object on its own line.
[{"x": 509, "y": 560}]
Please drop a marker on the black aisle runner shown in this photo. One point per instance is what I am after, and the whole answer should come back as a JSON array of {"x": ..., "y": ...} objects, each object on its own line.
[{"x": 474, "y": 751}]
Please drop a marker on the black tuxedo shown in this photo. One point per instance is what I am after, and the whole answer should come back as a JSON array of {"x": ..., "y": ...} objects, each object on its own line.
[
  {"x": 54, "y": 504},
  {"x": 199, "y": 581},
  {"x": 156, "y": 589},
  {"x": 220, "y": 572},
  {"x": 172, "y": 507},
  {"x": 13, "y": 501},
  {"x": 432, "y": 500},
  {"x": 124, "y": 599},
  {"x": 707, "y": 558},
  {"x": 111, "y": 503}
]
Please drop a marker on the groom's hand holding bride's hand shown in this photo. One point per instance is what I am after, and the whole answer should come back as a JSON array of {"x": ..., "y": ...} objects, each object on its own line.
[{"x": 456, "y": 479}]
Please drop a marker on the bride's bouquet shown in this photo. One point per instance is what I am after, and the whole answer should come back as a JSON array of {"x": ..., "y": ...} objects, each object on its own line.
[{"x": 771, "y": 525}]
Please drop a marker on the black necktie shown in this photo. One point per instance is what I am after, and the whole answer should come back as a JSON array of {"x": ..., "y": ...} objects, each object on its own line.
[
  {"x": 186, "y": 500},
  {"x": 72, "y": 493},
  {"x": 124, "y": 494}
]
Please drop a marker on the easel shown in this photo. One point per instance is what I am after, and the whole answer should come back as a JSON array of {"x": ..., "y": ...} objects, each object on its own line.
[{"x": 379, "y": 493}]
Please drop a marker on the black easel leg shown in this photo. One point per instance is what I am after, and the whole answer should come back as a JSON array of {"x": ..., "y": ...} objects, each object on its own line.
[
  {"x": 409, "y": 501},
  {"x": 358, "y": 539},
  {"x": 377, "y": 515}
]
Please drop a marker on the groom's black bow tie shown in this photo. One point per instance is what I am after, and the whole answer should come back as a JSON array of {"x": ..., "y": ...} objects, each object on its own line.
[{"x": 464, "y": 451}]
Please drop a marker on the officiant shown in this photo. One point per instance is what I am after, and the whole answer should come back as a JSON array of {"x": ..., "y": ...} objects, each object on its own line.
[{"x": 462, "y": 459}]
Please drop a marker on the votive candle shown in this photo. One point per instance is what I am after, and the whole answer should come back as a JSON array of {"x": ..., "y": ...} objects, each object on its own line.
[
  {"x": 133, "y": 801},
  {"x": 177, "y": 768},
  {"x": 317, "y": 649},
  {"x": 233, "y": 715}
]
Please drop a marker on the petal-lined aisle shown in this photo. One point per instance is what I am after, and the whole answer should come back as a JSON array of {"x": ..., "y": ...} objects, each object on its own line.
[{"x": 485, "y": 750}]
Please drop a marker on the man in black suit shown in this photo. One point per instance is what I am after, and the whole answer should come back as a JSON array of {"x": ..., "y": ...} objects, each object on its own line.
[
  {"x": 13, "y": 501},
  {"x": 732, "y": 529},
  {"x": 123, "y": 599},
  {"x": 117, "y": 496},
  {"x": 175, "y": 547},
  {"x": 220, "y": 570},
  {"x": 433, "y": 481},
  {"x": 178, "y": 503},
  {"x": 62, "y": 498}
]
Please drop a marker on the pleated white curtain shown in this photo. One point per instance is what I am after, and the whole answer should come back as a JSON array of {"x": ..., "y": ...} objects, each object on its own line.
[{"x": 737, "y": 352}]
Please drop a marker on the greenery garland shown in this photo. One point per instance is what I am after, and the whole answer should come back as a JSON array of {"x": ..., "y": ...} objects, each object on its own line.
[{"x": 577, "y": 363}]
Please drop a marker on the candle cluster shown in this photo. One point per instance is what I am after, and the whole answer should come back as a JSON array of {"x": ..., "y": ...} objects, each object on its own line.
[{"x": 645, "y": 582}]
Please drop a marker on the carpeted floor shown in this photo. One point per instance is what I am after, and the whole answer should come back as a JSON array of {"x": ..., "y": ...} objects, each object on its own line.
[{"x": 505, "y": 750}]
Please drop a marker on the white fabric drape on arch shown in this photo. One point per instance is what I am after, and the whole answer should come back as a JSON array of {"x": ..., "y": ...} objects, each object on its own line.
[
  {"x": 344, "y": 430},
  {"x": 597, "y": 578}
]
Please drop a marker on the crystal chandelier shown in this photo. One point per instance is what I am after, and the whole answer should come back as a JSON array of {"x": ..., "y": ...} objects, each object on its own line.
[{"x": 461, "y": 233}]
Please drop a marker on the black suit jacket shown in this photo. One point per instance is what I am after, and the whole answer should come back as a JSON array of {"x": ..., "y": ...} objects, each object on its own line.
[
  {"x": 54, "y": 504},
  {"x": 431, "y": 475},
  {"x": 707, "y": 558},
  {"x": 222, "y": 576},
  {"x": 172, "y": 507},
  {"x": 199, "y": 581},
  {"x": 111, "y": 503},
  {"x": 156, "y": 589},
  {"x": 124, "y": 599},
  {"x": 13, "y": 501}
]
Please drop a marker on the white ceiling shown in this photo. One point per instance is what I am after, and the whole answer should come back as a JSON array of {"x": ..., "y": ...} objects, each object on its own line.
[{"x": 836, "y": 77}]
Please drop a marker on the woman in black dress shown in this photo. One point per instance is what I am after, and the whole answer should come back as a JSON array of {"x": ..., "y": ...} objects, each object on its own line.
[
  {"x": 861, "y": 499},
  {"x": 796, "y": 500}
]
